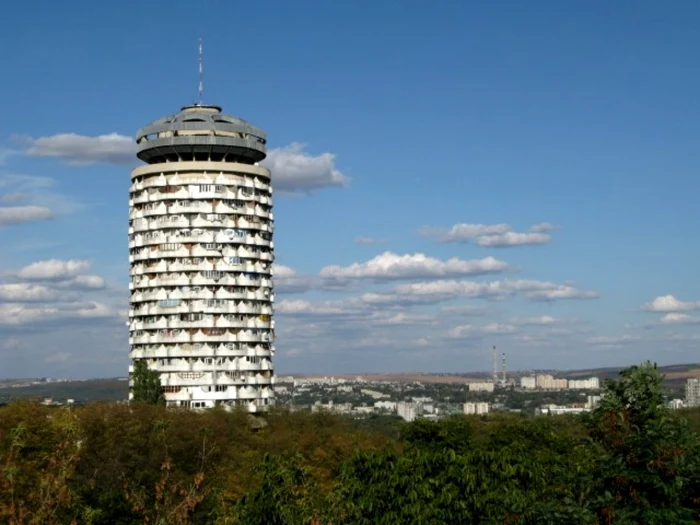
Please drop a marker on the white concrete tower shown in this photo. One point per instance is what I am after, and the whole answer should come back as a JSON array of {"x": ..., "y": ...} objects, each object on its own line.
[{"x": 201, "y": 252}]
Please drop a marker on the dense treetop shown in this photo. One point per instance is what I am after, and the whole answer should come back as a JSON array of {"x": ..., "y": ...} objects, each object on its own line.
[{"x": 630, "y": 461}]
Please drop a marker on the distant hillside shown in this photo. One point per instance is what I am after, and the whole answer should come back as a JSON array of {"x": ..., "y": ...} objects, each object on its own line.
[
  {"x": 80, "y": 391},
  {"x": 117, "y": 389}
]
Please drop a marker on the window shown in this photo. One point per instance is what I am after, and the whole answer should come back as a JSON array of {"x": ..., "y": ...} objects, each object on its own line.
[
  {"x": 234, "y": 261},
  {"x": 210, "y": 246},
  {"x": 211, "y": 274},
  {"x": 170, "y": 389},
  {"x": 215, "y": 303},
  {"x": 192, "y": 317},
  {"x": 221, "y": 388},
  {"x": 169, "y": 247},
  {"x": 169, "y": 303}
]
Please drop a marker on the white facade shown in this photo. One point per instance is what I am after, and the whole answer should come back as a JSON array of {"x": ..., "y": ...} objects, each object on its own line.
[
  {"x": 485, "y": 386},
  {"x": 408, "y": 411},
  {"x": 476, "y": 408},
  {"x": 692, "y": 392},
  {"x": 201, "y": 253},
  {"x": 592, "y": 383},
  {"x": 548, "y": 382},
  {"x": 528, "y": 383}
]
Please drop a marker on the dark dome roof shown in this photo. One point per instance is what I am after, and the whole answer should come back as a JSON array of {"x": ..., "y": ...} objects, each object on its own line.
[{"x": 217, "y": 131}]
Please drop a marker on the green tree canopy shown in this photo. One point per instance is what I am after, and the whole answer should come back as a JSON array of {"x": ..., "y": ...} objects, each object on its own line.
[{"x": 146, "y": 385}]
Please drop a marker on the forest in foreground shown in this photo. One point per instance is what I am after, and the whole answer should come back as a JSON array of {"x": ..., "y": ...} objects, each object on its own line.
[{"x": 631, "y": 461}]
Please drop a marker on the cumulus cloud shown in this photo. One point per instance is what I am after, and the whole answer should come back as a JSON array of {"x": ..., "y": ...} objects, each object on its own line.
[
  {"x": 18, "y": 214},
  {"x": 296, "y": 171},
  {"x": 468, "y": 330},
  {"x": 72, "y": 148},
  {"x": 21, "y": 314},
  {"x": 542, "y": 320},
  {"x": 369, "y": 241},
  {"x": 38, "y": 196},
  {"x": 431, "y": 292},
  {"x": 668, "y": 303},
  {"x": 287, "y": 280},
  {"x": 53, "y": 269},
  {"x": 463, "y": 309},
  {"x": 26, "y": 292},
  {"x": 542, "y": 227},
  {"x": 390, "y": 266},
  {"x": 301, "y": 307},
  {"x": 502, "y": 240},
  {"x": 562, "y": 291},
  {"x": 676, "y": 318},
  {"x": 492, "y": 235}
]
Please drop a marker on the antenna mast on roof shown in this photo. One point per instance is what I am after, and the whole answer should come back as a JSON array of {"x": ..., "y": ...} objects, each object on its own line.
[{"x": 201, "y": 72}]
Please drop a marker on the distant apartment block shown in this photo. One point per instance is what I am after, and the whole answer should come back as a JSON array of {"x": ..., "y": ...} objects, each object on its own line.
[
  {"x": 675, "y": 404},
  {"x": 692, "y": 392},
  {"x": 374, "y": 393},
  {"x": 592, "y": 402},
  {"x": 385, "y": 405},
  {"x": 592, "y": 383},
  {"x": 548, "y": 382},
  {"x": 408, "y": 411},
  {"x": 528, "y": 383},
  {"x": 484, "y": 386},
  {"x": 476, "y": 408}
]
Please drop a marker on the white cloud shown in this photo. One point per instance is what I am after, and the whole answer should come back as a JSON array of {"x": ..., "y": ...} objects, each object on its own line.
[
  {"x": 369, "y": 241},
  {"x": 668, "y": 303},
  {"x": 53, "y": 269},
  {"x": 36, "y": 192},
  {"x": 468, "y": 330},
  {"x": 389, "y": 266},
  {"x": 400, "y": 318},
  {"x": 25, "y": 292},
  {"x": 112, "y": 148},
  {"x": 431, "y": 292},
  {"x": 502, "y": 240},
  {"x": 296, "y": 171},
  {"x": 19, "y": 214},
  {"x": 562, "y": 292},
  {"x": 87, "y": 282},
  {"x": 463, "y": 309},
  {"x": 676, "y": 318},
  {"x": 287, "y": 280},
  {"x": 301, "y": 307},
  {"x": 543, "y": 320},
  {"x": 21, "y": 314},
  {"x": 542, "y": 227},
  {"x": 491, "y": 235},
  {"x": 463, "y": 232}
]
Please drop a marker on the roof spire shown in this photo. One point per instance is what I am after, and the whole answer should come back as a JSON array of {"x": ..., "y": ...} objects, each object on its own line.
[{"x": 201, "y": 72}]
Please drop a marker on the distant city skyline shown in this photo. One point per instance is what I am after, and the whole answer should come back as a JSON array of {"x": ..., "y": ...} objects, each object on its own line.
[{"x": 445, "y": 180}]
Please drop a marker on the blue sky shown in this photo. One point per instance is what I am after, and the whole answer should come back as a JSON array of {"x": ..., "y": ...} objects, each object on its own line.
[{"x": 390, "y": 124}]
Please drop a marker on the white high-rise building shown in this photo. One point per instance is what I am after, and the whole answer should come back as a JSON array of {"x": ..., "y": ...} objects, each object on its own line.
[
  {"x": 476, "y": 408},
  {"x": 201, "y": 253},
  {"x": 692, "y": 392}
]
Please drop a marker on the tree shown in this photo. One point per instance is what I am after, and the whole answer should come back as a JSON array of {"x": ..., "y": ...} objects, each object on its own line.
[
  {"x": 147, "y": 388},
  {"x": 649, "y": 458}
]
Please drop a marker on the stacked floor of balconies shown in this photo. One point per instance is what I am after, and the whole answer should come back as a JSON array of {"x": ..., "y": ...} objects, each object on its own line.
[{"x": 201, "y": 304}]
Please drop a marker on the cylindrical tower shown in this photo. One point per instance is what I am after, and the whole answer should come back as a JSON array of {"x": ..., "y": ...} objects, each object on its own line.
[{"x": 201, "y": 252}]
